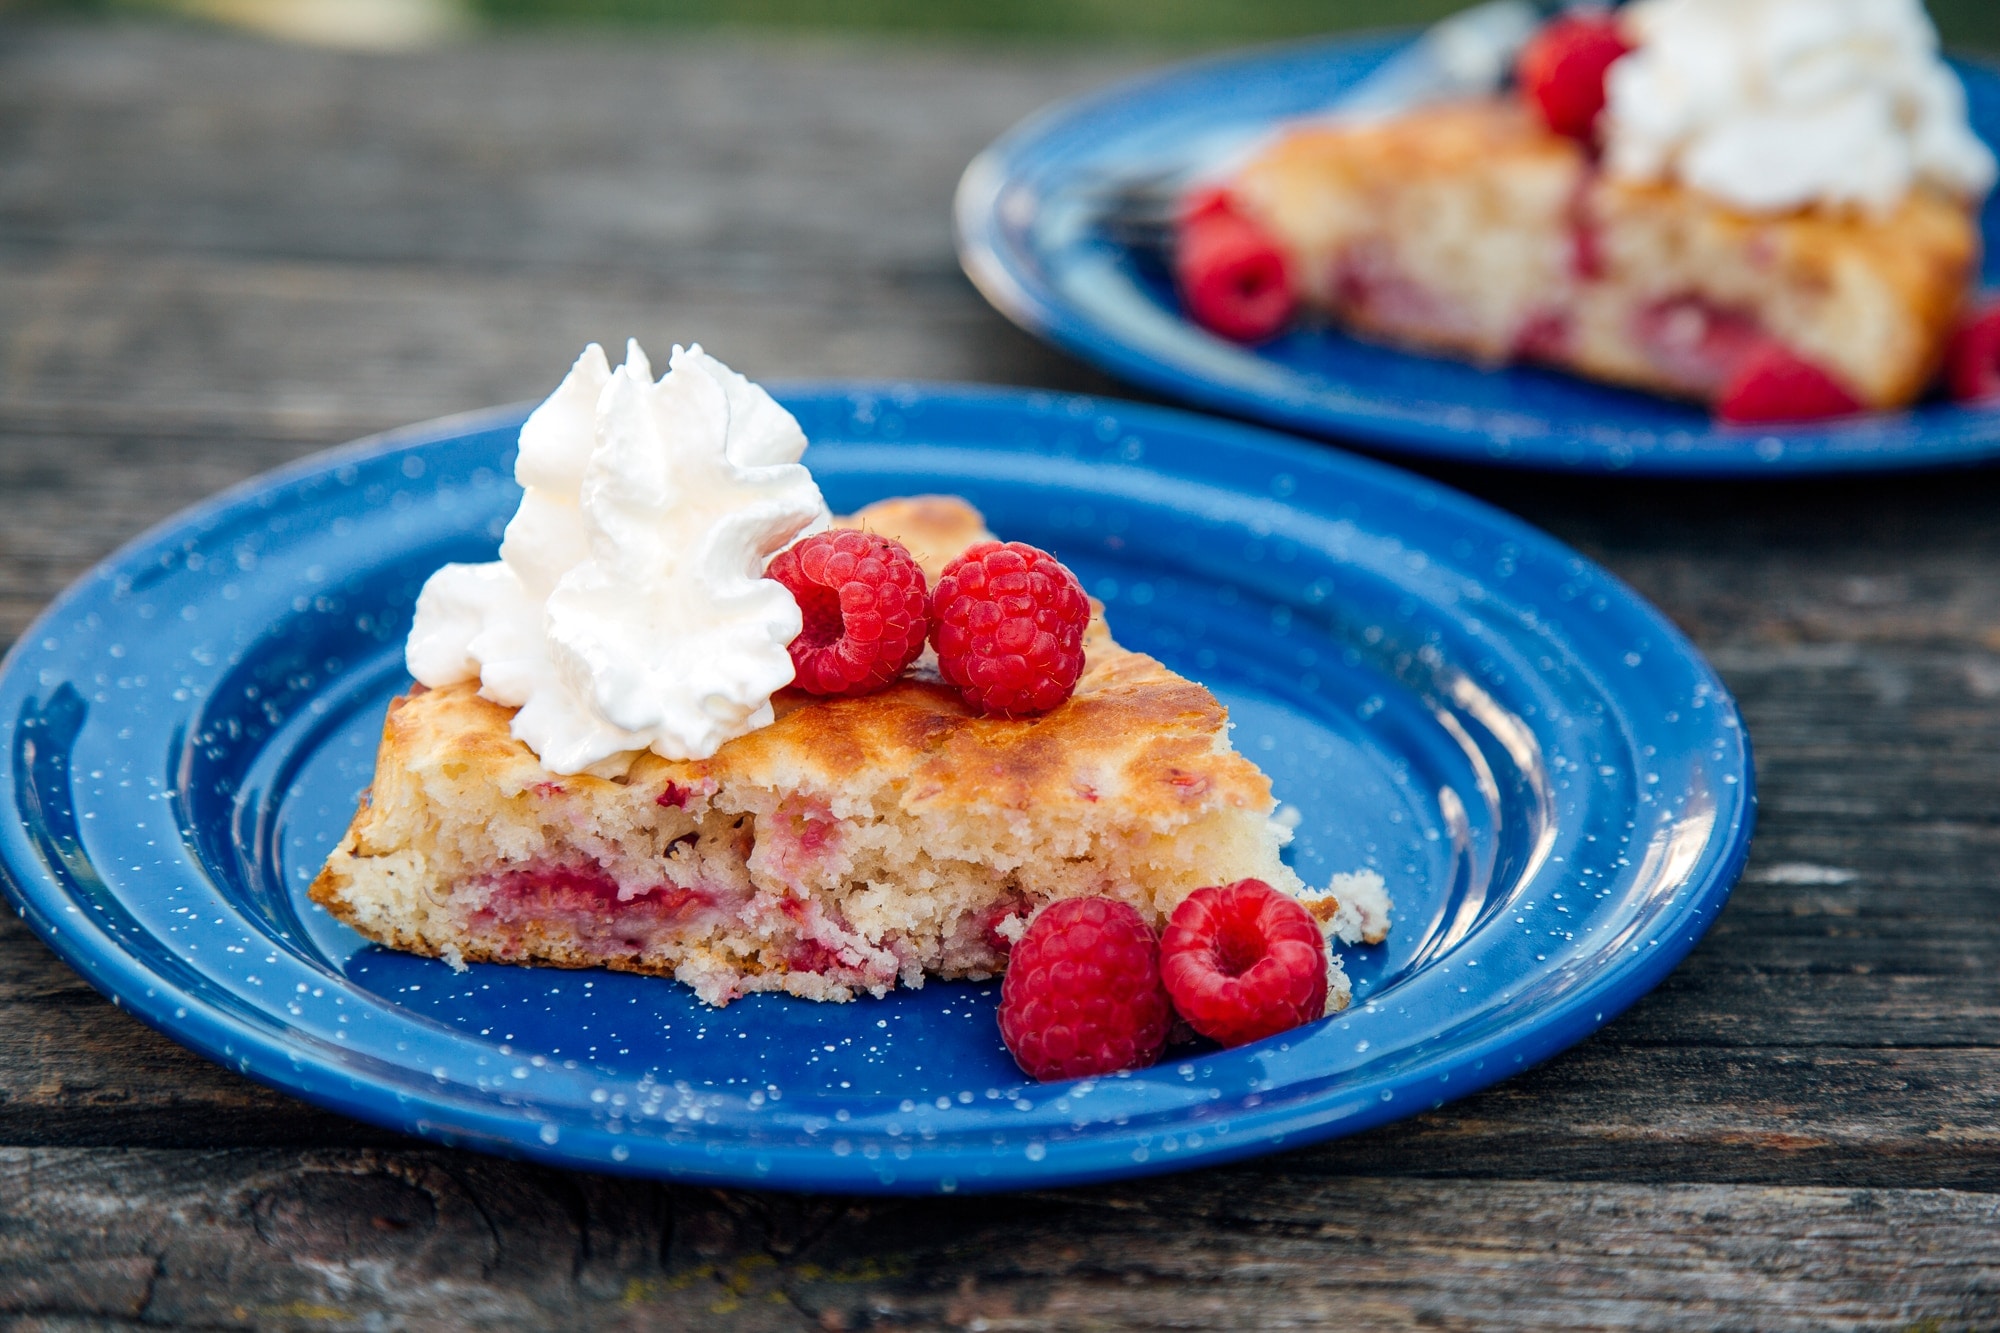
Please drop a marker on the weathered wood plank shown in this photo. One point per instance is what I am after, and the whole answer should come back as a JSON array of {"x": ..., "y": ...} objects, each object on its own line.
[
  {"x": 336, "y": 351},
  {"x": 424, "y": 1240},
  {"x": 688, "y": 154}
]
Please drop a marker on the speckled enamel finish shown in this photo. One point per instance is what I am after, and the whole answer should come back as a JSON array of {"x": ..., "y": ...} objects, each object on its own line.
[{"x": 1551, "y": 780}]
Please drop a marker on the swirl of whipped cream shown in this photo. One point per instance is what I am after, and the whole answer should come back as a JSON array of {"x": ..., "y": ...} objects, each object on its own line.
[
  {"x": 1774, "y": 105},
  {"x": 628, "y": 610}
]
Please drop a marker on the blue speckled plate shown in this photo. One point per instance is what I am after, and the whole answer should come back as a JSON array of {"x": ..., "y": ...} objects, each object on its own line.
[
  {"x": 1552, "y": 781},
  {"x": 1029, "y": 238}
]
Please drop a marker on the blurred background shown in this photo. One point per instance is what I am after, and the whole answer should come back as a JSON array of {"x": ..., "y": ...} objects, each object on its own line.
[{"x": 1970, "y": 24}]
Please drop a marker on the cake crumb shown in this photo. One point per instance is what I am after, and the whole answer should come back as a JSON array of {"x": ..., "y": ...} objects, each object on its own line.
[
  {"x": 1353, "y": 908},
  {"x": 1339, "y": 991}
]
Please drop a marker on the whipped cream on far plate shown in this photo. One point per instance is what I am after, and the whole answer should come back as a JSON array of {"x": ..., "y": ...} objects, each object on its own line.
[
  {"x": 1773, "y": 105},
  {"x": 628, "y": 610}
]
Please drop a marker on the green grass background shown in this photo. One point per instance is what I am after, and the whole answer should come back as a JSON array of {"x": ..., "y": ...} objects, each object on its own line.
[
  {"x": 1964, "y": 23},
  {"x": 1974, "y": 23}
]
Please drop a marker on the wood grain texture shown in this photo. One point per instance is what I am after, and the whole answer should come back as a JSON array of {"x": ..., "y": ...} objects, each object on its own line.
[
  {"x": 421, "y": 1240},
  {"x": 216, "y": 256}
]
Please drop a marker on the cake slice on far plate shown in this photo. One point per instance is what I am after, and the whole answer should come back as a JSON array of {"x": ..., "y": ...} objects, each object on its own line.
[
  {"x": 851, "y": 845},
  {"x": 1473, "y": 229},
  {"x": 1767, "y": 206}
]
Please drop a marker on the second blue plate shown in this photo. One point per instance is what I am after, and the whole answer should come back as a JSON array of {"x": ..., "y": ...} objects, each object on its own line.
[
  {"x": 1029, "y": 238},
  {"x": 1552, "y": 782}
]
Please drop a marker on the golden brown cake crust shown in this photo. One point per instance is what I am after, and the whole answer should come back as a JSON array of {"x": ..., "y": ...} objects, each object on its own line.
[{"x": 1133, "y": 732}]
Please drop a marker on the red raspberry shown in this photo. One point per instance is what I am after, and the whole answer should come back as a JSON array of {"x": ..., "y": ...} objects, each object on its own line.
[
  {"x": 1774, "y": 383},
  {"x": 865, "y": 608},
  {"x": 1972, "y": 367},
  {"x": 1232, "y": 275},
  {"x": 1243, "y": 962},
  {"x": 1561, "y": 70},
  {"x": 1082, "y": 992},
  {"x": 1206, "y": 202},
  {"x": 1007, "y": 621}
]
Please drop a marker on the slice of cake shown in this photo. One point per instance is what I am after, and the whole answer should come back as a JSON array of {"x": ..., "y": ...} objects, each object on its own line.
[
  {"x": 1769, "y": 206},
  {"x": 1472, "y": 229},
  {"x": 850, "y": 845}
]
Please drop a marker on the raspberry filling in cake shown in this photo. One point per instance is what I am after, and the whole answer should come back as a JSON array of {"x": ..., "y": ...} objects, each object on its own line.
[
  {"x": 1695, "y": 344},
  {"x": 502, "y": 910},
  {"x": 733, "y": 902}
]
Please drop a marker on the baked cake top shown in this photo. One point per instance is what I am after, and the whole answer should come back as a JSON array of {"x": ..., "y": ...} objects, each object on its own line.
[{"x": 1134, "y": 733}]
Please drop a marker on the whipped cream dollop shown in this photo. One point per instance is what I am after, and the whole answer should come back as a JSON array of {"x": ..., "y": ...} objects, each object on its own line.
[
  {"x": 628, "y": 610},
  {"x": 1773, "y": 105}
]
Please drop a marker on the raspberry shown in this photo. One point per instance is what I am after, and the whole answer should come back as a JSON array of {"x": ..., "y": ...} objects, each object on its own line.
[
  {"x": 1232, "y": 275},
  {"x": 1206, "y": 202},
  {"x": 1007, "y": 621},
  {"x": 1972, "y": 367},
  {"x": 1243, "y": 962},
  {"x": 1082, "y": 992},
  {"x": 865, "y": 609},
  {"x": 1774, "y": 383},
  {"x": 1562, "y": 69}
]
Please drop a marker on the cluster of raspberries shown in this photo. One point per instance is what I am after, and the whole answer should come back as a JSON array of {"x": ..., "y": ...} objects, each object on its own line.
[
  {"x": 1007, "y": 620},
  {"x": 1089, "y": 989}
]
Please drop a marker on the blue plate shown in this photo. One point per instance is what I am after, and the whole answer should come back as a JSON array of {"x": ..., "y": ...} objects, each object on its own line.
[
  {"x": 1553, "y": 783},
  {"x": 1028, "y": 237}
]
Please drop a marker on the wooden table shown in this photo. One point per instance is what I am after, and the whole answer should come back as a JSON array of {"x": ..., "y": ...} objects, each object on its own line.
[{"x": 217, "y": 255}]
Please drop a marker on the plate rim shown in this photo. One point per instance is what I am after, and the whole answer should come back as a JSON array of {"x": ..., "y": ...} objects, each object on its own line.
[
  {"x": 1032, "y": 306},
  {"x": 231, "y": 1042}
]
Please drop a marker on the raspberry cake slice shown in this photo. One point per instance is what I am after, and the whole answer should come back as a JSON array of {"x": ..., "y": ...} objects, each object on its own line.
[
  {"x": 851, "y": 845},
  {"x": 1765, "y": 205},
  {"x": 1474, "y": 229}
]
